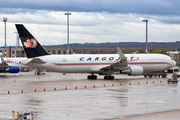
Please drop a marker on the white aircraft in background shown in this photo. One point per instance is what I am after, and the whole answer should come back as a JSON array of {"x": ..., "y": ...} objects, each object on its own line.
[
  {"x": 102, "y": 64},
  {"x": 7, "y": 68},
  {"x": 15, "y": 62},
  {"x": 11, "y": 65}
]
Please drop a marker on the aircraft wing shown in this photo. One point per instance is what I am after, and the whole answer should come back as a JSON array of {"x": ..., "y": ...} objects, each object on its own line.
[
  {"x": 119, "y": 65},
  {"x": 122, "y": 64},
  {"x": 32, "y": 60},
  {"x": 97, "y": 68}
]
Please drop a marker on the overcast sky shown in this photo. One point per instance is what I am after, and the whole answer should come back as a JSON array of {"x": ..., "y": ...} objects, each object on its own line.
[{"x": 92, "y": 21}]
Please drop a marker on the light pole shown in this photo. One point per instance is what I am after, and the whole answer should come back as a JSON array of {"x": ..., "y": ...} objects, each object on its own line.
[
  {"x": 67, "y": 30},
  {"x": 17, "y": 39},
  {"x": 4, "y": 20},
  {"x": 146, "y": 34}
]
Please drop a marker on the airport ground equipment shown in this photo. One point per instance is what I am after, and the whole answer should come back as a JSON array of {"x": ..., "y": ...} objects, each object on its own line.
[
  {"x": 172, "y": 78},
  {"x": 156, "y": 73},
  {"x": 23, "y": 115},
  {"x": 176, "y": 56},
  {"x": 174, "y": 70},
  {"x": 178, "y": 74},
  {"x": 39, "y": 72},
  {"x": 25, "y": 69}
]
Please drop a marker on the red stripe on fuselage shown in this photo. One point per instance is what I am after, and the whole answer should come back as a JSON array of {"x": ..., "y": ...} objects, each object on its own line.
[
  {"x": 78, "y": 64},
  {"x": 147, "y": 63},
  {"x": 107, "y": 64}
]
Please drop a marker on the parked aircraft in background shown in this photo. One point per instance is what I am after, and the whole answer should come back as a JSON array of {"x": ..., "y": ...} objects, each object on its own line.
[
  {"x": 6, "y": 68},
  {"x": 23, "y": 68},
  {"x": 15, "y": 62},
  {"x": 102, "y": 64}
]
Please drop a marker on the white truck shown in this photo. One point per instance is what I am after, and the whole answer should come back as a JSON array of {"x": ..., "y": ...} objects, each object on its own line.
[
  {"x": 173, "y": 70},
  {"x": 172, "y": 78}
]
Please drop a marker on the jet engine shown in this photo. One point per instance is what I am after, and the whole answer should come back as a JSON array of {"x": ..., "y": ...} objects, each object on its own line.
[
  {"x": 133, "y": 71},
  {"x": 12, "y": 69}
]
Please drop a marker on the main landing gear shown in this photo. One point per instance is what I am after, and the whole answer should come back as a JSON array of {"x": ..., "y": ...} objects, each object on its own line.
[
  {"x": 39, "y": 72},
  {"x": 92, "y": 77},
  {"x": 109, "y": 77}
]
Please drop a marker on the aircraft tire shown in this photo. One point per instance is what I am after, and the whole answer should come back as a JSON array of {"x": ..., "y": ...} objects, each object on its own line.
[
  {"x": 109, "y": 77},
  {"x": 112, "y": 77},
  {"x": 92, "y": 77}
]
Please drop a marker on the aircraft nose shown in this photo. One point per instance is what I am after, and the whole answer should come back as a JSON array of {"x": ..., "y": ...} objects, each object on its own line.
[{"x": 173, "y": 63}]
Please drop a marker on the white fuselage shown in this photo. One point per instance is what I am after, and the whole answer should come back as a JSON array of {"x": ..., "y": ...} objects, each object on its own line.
[{"x": 83, "y": 63}]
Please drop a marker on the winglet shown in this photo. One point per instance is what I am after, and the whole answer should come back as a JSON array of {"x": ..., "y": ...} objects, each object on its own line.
[{"x": 122, "y": 57}]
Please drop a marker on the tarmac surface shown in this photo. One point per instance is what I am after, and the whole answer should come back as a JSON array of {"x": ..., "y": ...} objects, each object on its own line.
[{"x": 73, "y": 97}]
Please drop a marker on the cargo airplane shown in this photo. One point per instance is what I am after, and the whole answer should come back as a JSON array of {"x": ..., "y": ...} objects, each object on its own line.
[{"x": 102, "y": 64}]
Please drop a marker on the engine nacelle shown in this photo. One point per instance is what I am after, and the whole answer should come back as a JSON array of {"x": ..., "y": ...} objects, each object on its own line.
[
  {"x": 133, "y": 71},
  {"x": 12, "y": 69}
]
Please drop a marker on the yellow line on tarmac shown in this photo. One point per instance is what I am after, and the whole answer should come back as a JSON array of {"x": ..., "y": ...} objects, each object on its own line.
[{"x": 121, "y": 117}]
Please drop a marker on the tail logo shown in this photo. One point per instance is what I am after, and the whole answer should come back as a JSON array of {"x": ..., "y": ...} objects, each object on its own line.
[{"x": 30, "y": 43}]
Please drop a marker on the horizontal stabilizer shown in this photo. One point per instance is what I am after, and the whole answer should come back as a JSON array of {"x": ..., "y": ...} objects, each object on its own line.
[{"x": 37, "y": 60}]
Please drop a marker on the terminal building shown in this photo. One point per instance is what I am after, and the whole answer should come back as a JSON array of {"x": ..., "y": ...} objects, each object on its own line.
[{"x": 19, "y": 51}]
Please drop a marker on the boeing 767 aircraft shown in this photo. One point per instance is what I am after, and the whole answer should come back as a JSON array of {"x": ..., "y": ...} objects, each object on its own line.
[{"x": 102, "y": 64}]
